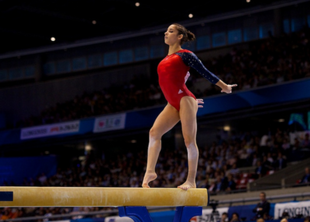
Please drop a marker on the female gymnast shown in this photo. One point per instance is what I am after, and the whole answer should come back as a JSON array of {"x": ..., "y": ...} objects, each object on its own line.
[{"x": 173, "y": 71}]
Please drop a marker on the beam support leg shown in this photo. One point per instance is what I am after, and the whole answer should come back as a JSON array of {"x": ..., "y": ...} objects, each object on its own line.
[
  {"x": 138, "y": 214},
  {"x": 184, "y": 214}
]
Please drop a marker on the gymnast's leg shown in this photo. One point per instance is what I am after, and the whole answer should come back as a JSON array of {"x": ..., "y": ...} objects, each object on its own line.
[
  {"x": 167, "y": 119},
  {"x": 188, "y": 111}
]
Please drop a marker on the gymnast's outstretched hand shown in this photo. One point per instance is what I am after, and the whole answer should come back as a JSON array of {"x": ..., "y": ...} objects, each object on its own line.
[
  {"x": 200, "y": 101},
  {"x": 228, "y": 88}
]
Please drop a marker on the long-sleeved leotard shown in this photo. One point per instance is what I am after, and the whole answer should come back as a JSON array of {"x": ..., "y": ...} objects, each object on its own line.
[{"x": 173, "y": 72}]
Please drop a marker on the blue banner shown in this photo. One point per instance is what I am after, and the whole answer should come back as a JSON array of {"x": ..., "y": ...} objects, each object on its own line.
[
  {"x": 286, "y": 92},
  {"x": 16, "y": 169},
  {"x": 292, "y": 91}
]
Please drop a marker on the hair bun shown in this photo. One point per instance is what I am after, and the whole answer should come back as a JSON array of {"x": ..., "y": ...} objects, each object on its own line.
[
  {"x": 190, "y": 36},
  {"x": 187, "y": 35}
]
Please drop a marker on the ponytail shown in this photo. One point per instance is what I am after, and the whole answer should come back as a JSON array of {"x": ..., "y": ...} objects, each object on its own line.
[{"x": 187, "y": 35}]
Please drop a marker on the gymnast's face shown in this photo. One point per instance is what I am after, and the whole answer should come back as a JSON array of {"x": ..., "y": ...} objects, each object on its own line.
[{"x": 172, "y": 36}]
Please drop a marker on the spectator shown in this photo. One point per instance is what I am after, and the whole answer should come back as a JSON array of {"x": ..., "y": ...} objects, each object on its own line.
[
  {"x": 286, "y": 146},
  {"x": 235, "y": 217},
  {"x": 260, "y": 169},
  {"x": 307, "y": 219},
  {"x": 263, "y": 207},
  {"x": 254, "y": 159},
  {"x": 234, "y": 170},
  {"x": 243, "y": 155},
  {"x": 270, "y": 158},
  {"x": 296, "y": 150},
  {"x": 42, "y": 179},
  {"x": 284, "y": 220},
  {"x": 266, "y": 164},
  {"x": 5, "y": 214},
  {"x": 231, "y": 184},
  {"x": 285, "y": 214},
  {"x": 260, "y": 220},
  {"x": 212, "y": 188},
  {"x": 280, "y": 163},
  {"x": 305, "y": 143},
  {"x": 224, "y": 217},
  {"x": 306, "y": 178},
  {"x": 219, "y": 184}
]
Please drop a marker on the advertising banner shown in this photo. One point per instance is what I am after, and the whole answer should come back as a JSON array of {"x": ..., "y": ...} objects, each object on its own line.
[
  {"x": 292, "y": 208},
  {"x": 110, "y": 122},
  {"x": 49, "y": 130}
]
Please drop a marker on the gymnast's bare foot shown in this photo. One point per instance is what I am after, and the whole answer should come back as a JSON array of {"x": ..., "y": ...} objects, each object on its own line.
[
  {"x": 148, "y": 177},
  {"x": 187, "y": 185}
]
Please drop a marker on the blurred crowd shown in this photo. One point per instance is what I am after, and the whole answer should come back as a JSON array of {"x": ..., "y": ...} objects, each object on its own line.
[
  {"x": 220, "y": 168},
  {"x": 265, "y": 62}
]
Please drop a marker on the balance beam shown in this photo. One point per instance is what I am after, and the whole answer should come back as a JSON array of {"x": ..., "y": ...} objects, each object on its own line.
[{"x": 100, "y": 197}]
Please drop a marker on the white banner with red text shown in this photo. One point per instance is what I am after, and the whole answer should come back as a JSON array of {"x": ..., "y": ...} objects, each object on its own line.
[
  {"x": 110, "y": 122},
  {"x": 49, "y": 130}
]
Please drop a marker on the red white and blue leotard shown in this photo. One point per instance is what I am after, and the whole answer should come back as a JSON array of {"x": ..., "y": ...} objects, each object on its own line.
[{"x": 173, "y": 72}]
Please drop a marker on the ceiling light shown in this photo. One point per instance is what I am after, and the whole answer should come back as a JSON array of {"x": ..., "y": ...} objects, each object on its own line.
[
  {"x": 88, "y": 147},
  {"x": 53, "y": 39},
  {"x": 137, "y": 4},
  {"x": 226, "y": 128},
  {"x": 190, "y": 15},
  {"x": 248, "y": 1},
  {"x": 94, "y": 22}
]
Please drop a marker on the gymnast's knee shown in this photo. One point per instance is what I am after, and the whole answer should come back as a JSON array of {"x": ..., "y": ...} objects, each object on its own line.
[
  {"x": 154, "y": 134},
  {"x": 189, "y": 142}
]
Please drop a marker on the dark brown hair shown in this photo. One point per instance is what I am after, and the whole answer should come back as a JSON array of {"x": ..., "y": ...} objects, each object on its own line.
[{"x": 187, "y": 35}]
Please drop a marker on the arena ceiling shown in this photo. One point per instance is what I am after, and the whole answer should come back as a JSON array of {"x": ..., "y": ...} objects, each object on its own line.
[{"x": 32, "y": 23}]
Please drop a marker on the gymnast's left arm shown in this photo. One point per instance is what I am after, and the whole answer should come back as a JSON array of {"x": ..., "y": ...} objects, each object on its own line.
[{"x": 191, "y": 60}]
